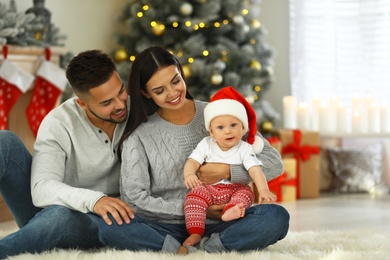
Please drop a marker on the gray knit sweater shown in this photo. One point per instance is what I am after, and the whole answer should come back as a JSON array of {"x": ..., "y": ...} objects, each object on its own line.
[
  {"x": 153, "y": 159},
  {"x": 74, "y": 162}
]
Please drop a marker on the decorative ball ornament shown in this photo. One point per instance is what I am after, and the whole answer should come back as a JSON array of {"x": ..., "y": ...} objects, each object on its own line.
[
  {"x": 187, "y": 70},
  {"x": 186, "y": 9},
  {"x": 254, "y": 64},
  {"x": 255, "y": 23},
  {"x": 158, "y": 29},
  {"x": 216, "y": 79},
  {"x": 238, "y": 19},
  {"x": 266, "y": 126},
  {"x": 120, "y": 55}
]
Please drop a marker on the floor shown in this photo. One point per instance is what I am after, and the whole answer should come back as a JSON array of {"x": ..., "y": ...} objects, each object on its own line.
[{"x": 328, "y": 212}]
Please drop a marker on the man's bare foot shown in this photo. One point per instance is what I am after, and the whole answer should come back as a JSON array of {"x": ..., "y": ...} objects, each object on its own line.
[
  {"x": 235, "y": 212},
  {"x": 182, "y": 250},
  {"x": 192, "y": 240}
]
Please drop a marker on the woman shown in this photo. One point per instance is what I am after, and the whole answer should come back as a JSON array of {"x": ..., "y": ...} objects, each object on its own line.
[{"x": 164, "y": 126}]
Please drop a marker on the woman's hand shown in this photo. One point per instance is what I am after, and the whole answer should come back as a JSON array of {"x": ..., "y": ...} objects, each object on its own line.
[{"x": 210, "y": 173}]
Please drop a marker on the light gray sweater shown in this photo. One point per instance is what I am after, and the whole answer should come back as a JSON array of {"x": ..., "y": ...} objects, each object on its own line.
[
  {"x": 74, "y": 162},
  {"x": 153, "y": 159}
]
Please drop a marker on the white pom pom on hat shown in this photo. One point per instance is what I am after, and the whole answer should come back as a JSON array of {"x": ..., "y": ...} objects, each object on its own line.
[{"x": 228, "y": 101}]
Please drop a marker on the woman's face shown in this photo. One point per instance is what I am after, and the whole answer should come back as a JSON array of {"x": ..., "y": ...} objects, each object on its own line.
[{"x": 167, "y": 88}]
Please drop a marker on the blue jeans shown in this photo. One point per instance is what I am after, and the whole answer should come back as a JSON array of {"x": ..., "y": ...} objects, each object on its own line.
[
  {"x": 40, "y": 229},
  {"x": 262, "y": 225}
]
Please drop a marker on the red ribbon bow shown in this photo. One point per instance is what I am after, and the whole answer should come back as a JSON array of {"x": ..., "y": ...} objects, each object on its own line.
[
  {"x": 275, "y": 185},
  {"x": 302, "y": 152}
]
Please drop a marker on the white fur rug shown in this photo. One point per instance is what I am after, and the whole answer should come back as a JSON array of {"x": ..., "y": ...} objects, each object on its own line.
[{"x": 323, "y": 245}]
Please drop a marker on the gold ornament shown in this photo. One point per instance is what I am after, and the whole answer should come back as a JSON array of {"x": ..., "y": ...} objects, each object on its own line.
[
  {"x": 216, "y": 79},
  {"x": 186, "y": 9},
  {"x": 187, "y": 70},
  {"x": 120, "y": 55},
  {"x": 158, "y": 29},
  {"x": 255, "y": 23},
  {"x": 38, "y": 36},
  {"x": 266, "y": 126},
  {"x": 254, "y": 64}
]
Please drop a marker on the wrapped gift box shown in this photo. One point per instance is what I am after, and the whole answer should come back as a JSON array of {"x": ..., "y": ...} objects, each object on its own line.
[
  {"x": 304, "y": 147},
  {"x": 285, "y": 186}
]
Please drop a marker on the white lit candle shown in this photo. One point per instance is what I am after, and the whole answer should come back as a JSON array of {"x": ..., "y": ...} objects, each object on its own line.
[
  {"x": 356, "y": 122},
  {"x": 289, "y": 112},
  {"x": 325, "y": 119},
  {"x": 341, "y": 118},
  {"x": 385, "y": 119},
  {"x": 373, "y": 118},
  {"x": 314, "y": 115},
  {"x": 303, "y": 116}
]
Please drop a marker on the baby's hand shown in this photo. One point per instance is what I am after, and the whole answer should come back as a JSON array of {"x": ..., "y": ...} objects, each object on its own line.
[
  {"x": 266, "y": 195},
  {"x": 192, "y": 181}
]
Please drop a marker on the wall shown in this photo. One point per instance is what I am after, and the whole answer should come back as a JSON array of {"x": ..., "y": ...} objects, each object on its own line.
[
  {"x": 275, "y": 19},
  {"x": 91, "y": 24}
]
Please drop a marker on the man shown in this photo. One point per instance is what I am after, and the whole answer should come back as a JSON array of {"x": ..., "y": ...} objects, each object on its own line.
[{"x": 74, "y": 170}]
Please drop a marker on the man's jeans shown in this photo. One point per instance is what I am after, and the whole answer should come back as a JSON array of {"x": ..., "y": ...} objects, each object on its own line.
[
  {"x": 40, "y": 229},
  {"x": 263, "y": 225}
]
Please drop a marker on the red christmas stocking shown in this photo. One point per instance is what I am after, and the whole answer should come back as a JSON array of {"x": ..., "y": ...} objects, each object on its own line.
[
  {"x": 50, "y": 82},
  {"x": 13, "y": 82}
]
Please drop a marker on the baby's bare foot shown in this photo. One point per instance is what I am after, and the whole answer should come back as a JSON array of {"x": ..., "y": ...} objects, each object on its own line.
[
  {"x": 238, "y": 211},
  {"x": 192, "y": 240}
]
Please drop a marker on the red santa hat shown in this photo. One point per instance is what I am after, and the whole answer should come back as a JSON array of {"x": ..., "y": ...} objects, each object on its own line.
[{"x": 228, "y": 101}]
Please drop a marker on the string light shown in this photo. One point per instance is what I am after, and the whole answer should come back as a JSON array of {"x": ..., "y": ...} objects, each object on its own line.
[
  {"x": 140, "y": 14},
  {"x": 217, "y": 24},
  {"x": 190, "y": 60},
  {"x": 205, "y": 53},
  {"x": 257, "y": 88},
  {"x": 145, "y": 7},
  {"x": 175, "y": 24},
  {"x": 132, "y": 58},
  {"x": 188, "y": 23},
  {"x": 245, "y": 12}
]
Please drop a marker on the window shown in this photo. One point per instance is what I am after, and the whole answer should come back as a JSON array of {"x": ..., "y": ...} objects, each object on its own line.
[{"x": 340, "y": 47}]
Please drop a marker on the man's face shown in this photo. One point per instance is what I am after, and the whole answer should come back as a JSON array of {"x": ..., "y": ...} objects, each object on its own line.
[{"x": 107, "y": 102}]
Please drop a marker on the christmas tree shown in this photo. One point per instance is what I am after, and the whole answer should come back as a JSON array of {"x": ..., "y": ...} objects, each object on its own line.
[{"x": 219, "y": 43}]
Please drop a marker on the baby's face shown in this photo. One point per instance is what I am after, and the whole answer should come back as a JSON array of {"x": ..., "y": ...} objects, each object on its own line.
[{"x": 227, "y": 131}]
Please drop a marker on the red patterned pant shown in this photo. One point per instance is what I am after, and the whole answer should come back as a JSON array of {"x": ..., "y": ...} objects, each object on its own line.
[{"x": 199, "y": 199}]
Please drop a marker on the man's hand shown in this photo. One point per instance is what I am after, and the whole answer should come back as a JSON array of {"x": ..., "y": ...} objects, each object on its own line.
[
  {"x": 215, "y": 211},
  {"x": 119, "y": 210},
  {"x": 210, "y": 173}
]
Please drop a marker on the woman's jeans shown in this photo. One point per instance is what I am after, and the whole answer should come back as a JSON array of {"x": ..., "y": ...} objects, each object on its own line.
[
  {"x": 262, "y": 225},
  {"x": 40, "y": 229}
]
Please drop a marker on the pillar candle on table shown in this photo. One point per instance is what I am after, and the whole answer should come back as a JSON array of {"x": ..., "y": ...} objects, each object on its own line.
[
  {"x": 326, "y": 123},
  {"x": 314, "y": 115},
  {"x": 303, "y": 116},
  {"x": 373, "y": 118},
  {"x": 385, "y": 119},
  {"x": 289, "y": 112},
  {"x": 341, "y": 118},
  {"x": 356, "y": 122}
]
